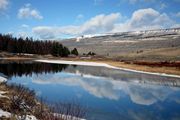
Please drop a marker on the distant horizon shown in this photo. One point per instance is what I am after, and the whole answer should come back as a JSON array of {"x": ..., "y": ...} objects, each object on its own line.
[
  {"x": 87, "y": 35},
  {"x": 68, "y": 18}
]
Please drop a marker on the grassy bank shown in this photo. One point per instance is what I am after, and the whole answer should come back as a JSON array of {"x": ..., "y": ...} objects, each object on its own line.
[
  {"x": 146, "y": 66},
  {"x": 155, "y": 66},
  {"x": 20, "y": 103}
]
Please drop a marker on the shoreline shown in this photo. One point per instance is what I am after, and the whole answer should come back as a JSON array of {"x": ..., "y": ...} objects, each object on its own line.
[
  {"x": 102, "y": 64},
  {"x": 132, "y": 67},
  {"x": 7, "y": 112}
]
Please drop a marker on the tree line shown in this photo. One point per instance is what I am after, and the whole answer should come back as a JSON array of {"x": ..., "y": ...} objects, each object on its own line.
[{"x": 28, "y": 45}]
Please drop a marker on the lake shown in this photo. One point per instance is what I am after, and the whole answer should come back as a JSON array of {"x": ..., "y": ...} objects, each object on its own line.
[{"x": 108, "y": 94}]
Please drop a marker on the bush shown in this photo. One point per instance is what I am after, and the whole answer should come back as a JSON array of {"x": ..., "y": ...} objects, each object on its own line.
[{"x": 22, "y": 99}]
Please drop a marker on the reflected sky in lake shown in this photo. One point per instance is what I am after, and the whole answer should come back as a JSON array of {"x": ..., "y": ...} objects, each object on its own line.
[{"x": 109, "y": 94}]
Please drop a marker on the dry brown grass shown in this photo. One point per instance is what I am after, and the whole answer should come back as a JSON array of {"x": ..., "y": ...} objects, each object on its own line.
[
  {"x": 21, "y": 101},
  {"x": 131, "y": 60},
  {"x": 155, "y": 69},
  {"x": 132, "y": 65}
]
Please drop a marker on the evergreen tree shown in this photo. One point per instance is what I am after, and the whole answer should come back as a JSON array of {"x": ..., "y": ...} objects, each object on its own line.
[
  {"x": 65, "y": 52},
  {"x": 75, "y": 52},
  {"x": 91, "y": 53},
  {"x": 28, "y": 45}
]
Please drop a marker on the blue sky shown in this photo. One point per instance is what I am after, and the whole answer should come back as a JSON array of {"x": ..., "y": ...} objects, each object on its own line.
[{"x": 53, "y": 19}]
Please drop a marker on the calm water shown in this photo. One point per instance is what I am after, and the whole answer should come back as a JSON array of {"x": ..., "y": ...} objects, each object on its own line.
[{"x": 108, "y": 94}]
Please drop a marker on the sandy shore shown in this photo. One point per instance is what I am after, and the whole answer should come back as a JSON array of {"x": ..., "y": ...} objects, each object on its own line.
[{"x": 104, "y": 65}]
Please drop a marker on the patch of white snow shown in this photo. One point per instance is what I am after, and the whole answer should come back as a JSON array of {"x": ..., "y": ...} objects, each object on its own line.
[{"x": 4, "y": 113}]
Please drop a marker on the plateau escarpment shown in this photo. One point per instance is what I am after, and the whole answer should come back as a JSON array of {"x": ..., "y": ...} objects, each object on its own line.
[{"x": 156, "y": 45}]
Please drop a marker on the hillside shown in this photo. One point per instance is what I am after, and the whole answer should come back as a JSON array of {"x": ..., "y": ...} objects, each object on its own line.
[{"x": 162, "y": 44}]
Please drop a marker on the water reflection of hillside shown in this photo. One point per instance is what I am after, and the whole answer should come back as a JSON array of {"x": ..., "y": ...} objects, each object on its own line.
[
  {"x": 102, "y": 87},
  {"x": 125, "y": 75},
  {"x": 28, "y": 68},
  {"x": 126, "y": 95}
]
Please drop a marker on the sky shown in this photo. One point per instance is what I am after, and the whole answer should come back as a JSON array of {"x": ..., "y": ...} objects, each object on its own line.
[{"x": 58, "y": 19}]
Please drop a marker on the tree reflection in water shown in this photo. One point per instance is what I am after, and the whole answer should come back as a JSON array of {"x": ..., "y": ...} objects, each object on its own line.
[{"x": 28, "y": 68}]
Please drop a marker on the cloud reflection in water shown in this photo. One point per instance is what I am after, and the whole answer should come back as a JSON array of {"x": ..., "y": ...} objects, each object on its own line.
[{"x": 108, "y": 88}]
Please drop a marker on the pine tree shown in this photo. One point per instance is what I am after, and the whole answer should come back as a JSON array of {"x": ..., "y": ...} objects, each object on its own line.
[
  {"x": 75, "y": 52},
  {"x": 28, "y": 45}
]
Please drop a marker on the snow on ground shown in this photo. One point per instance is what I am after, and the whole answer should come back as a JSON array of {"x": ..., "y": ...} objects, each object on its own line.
[
  {"x": 118, "y": 41},
  {"x": 2, "y": 79},
  {"x": 28, "y": 117},
  {"x": 31, "y": 117},
  {"x": 74, "y": 63},
  {"x": 103, "y": 65},
  {"x": 2, "y": 94},
  {"x": 67, "y": 117},
  {"x": 4, "y": 113}
]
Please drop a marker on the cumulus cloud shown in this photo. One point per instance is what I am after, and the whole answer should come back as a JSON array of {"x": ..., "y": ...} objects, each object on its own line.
[
  {"x": 145, "y": 19},
  {"x": 142, "y": 19},
  {"x": 100, "y": 23},
  {"x": 4, "y": 4},
  {"x": 27, "y": 12},
  {"x": 45, "y": 32}
]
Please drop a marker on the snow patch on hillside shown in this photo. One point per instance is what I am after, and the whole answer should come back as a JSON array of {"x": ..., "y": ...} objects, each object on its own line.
[{"x": 142, "y": 34}]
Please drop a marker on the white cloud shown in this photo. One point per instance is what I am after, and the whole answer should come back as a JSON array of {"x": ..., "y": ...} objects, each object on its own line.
[
  {"x": 25, "y": 26},
  {"x": 142, "y": 19},
  {"x": 45, "y": 32},
  {"x": 22, "y": 34},
  {"x": 28, "y": 12},
  {"x": 98, "y": 24},
  {"x": 4, "y": 4},
  {"x": 176, "y": 26},
  {"x": 80, "y": 16}
]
